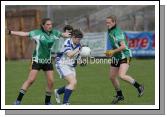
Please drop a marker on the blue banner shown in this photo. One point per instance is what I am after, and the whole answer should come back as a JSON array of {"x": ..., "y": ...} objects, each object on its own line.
[{"x": 142, "y": 44}]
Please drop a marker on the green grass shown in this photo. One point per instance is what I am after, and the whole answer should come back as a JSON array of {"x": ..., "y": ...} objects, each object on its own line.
[{"x": 93, "y": 88}]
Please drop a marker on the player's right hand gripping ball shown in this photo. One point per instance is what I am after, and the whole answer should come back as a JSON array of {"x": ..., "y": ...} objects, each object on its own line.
[{"x": 109, "y": 53}]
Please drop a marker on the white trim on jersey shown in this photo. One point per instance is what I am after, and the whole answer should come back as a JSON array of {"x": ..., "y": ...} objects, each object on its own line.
[
  {"x": 64, "y": 64},
  {"x": 62, "y": 57}
]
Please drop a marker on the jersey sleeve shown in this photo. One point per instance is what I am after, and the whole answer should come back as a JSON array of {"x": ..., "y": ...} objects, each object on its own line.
[
  {"x": 34, "y": 34},
  {"x": 67, "y": 46},
  {"x": 119, "y": 36},
  {"x": 57, "y": 33}
]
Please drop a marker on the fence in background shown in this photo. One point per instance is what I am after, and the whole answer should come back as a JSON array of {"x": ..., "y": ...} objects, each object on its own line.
[{"x": 17, "y": 47}]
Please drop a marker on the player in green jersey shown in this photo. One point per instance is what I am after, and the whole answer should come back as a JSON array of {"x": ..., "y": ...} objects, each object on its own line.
[
  {"x": 121, "y": 56},
  {"x": 41, "y": 58}
]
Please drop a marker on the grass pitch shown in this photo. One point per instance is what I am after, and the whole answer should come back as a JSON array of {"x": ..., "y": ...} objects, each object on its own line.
[{"x": 93, "y": 87}]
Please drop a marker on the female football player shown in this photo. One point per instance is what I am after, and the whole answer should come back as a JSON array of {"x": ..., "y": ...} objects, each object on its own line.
[{"x": 41, "y": 58}]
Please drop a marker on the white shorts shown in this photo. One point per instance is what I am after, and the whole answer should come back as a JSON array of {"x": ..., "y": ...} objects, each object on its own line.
[{"x": 65, "y": 70}]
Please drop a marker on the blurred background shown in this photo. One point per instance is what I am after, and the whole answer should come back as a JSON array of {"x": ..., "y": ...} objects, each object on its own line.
[{"x": 138, "y": 22}]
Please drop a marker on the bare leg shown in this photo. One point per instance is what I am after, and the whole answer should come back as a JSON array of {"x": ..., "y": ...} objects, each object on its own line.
[
  {"x": 50, "y": 82},
  {"x": 71, "y": 82},
  {"x": 113, "y": 77},
  {"x": 30, "y": 80},
  {"x": 122, "y": 73},
  {"x": 115, "y": 82}
]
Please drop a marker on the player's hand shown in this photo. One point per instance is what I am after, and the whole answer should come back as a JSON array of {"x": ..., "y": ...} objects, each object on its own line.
[
  {"x": 66, "y": 34},
  {"x": 78, "y": 49},
  {"x": 109, "y": 53},
  {"x": 7, "y": 31}
]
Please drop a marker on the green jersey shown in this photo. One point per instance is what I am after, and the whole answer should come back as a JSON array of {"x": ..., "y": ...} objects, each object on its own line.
[
  {"x": 44, "y": 43},
  {"x": 116, "y": 36}
]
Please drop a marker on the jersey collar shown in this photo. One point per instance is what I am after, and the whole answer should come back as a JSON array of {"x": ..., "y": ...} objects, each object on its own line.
[
  {"x": 73, "y": 45},
  {"x": 112, "y": 28},
  {"x": 46, "y": 32}
]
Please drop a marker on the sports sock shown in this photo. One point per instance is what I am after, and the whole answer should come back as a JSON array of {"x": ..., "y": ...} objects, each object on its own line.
[
  {"x": 21, "y": 94},
  {"x": 61, "y": 90},
  {"x": 119, "y": 93},
  {"x": 47, "y": 97},
  {"x": 136, "y": 84},
  {"x": 67, "y": 94}
]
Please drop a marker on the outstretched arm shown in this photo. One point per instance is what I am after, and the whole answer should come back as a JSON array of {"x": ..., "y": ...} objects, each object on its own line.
[{"x": 19, "y": 33}]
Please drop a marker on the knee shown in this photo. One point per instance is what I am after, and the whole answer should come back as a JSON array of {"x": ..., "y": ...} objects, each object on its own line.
[
  {"x": 112, "y": 77},
  {"x": 73, "y": 84},
  {"x": 30, "y": 81},
  {"x": 122, "y": 76},
  {"x": 50, "y": 81}
]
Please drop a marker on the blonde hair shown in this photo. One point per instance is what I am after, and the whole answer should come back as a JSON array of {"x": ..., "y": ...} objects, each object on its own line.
[{"x": 113, "y": 18}]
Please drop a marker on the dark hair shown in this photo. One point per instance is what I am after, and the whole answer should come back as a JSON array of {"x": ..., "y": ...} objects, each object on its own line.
[
  {"x": 43, "y": 21},
  {"x": 77, "y": 33},
  {"x": 67, "y": 27},
  {"x": 113, "y": 18}
]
